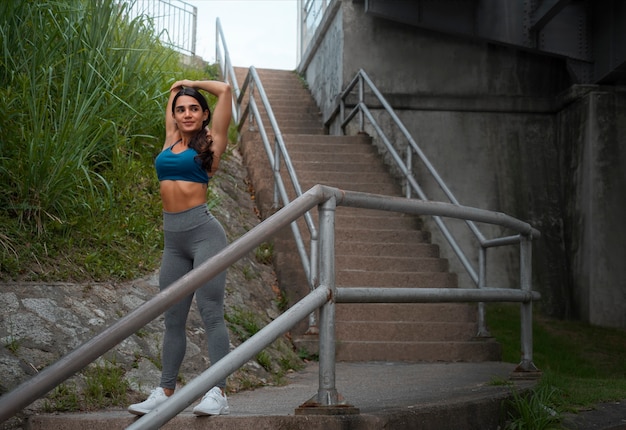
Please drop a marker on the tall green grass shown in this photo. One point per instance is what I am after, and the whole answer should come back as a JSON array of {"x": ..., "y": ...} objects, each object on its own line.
[
  {"x": 73, "y": 103},
  {"x": 83, "y": 90}
]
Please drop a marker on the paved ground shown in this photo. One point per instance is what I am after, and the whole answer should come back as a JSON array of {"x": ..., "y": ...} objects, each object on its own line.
[
  {"x": 387, "y": 396},
  {"x": 605, "y": 416}
]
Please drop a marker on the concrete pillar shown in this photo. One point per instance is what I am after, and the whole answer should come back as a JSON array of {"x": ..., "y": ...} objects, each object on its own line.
[{"x": 593, "y": 138}]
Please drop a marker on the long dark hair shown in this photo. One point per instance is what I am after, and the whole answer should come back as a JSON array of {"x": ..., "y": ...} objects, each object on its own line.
[{"x": 199, "y": 142}]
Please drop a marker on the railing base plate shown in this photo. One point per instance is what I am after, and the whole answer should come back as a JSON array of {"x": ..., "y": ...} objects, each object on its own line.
[
  {"x": 307, "y": 409},
  {"x": 314, "y": 407}
]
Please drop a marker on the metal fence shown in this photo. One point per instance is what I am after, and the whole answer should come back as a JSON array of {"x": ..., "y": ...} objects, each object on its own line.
[
  {"x": 310, "y": 14},
  {"x": 173, "y": 20}
]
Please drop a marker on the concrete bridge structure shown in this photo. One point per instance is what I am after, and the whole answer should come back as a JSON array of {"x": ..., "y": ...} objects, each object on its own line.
[{"x": 521, "y": 107}]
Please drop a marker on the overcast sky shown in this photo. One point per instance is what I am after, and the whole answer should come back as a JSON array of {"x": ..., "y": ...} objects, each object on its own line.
[{"x": 259, "y": 33}]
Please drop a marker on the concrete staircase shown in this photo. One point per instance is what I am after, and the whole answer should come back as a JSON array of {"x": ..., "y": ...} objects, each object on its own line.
[{"x": 373, "y": 248}]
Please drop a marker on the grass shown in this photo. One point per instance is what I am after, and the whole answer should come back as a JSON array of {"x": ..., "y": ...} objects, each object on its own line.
[
  {"x": 243, "y": 323},
  {"x": 101, "y": 385},
  {"x": 534, "y": 411},
  {"x": 82, "y": 120},
  {"x": 582, "y": 365}
]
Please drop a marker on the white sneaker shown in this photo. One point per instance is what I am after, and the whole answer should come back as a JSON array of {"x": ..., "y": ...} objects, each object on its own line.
[
  {"x": 157, "y": 396},
  {"x": 213, "y": 403}
]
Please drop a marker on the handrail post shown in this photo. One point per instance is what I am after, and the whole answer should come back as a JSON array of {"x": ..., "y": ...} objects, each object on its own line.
[
  {"x": 327, "y": 397},
  {"x": 327, "y": 393},
  {"x": 342, "y": 112},
  {"x": 361, "y": 102},
  {"x": 409, "y": 171},
  {"x": 313, "y": 282},
  {"x": 483, "y": 331},
  {"x": 250, "y": 113},
  {"x": 526, "y": 366},
  {"x": 276, "y": 172}
]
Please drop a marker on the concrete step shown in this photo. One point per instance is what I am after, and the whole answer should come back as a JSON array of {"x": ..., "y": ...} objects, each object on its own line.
[
  {"x": 418, "y": 250},
  {"x": 471, "y": 350},
  {"x": 323, "y": 167},
  {"x": 383, "y": 187},
  {"x": 285, "y": 109},
  {"x": 354, "y": 218},
  {"x": 402, "y": 331},
  {"x": 302, "y": 142},
  {"x": 330, "y": 178},
  {"x": 326, "y": 143},
  {"x": 386, "y": 279},
  {"x": 381, "y": 235},
  {"x": 364, "y": 158},
  {"x": 292, "y": 129},
  {"x": 421, "y": 313},
  {"x": 390, "y": 263},
  {"x": 345, "y": 237},
  {"x": 292, "y": 121}
]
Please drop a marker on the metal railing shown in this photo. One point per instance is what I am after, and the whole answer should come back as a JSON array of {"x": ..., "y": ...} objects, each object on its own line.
[
  {"x": 360, "y": 81},
  {"x": 310, "y": 14},
  {"x": 175, "y": 21},
  {"x": 277, "y": 154},
  {"x": 324, "y": 297}
]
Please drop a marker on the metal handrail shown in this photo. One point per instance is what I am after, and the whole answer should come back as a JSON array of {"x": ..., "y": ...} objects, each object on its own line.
[
  {"x": 278, "y": 155},
  {"x": 363, "y": 111},
  {"x": 325, "y": 295},
  {"x": 222, "y": 57}
]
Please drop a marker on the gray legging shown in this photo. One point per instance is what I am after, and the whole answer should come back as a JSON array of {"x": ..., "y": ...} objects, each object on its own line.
[{"x": 191, "y": 237}]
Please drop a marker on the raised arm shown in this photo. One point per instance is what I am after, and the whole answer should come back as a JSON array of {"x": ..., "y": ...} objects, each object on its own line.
[
  {"x": 220, "y": 117},
  {"x": 171, "y": 130}
]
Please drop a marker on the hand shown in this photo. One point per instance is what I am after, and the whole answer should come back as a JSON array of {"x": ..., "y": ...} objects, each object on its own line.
[{"x": 176, "y": 86}]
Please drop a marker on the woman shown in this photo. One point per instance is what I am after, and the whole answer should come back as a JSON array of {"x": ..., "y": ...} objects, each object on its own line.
[{"x": 190, "y": 157}]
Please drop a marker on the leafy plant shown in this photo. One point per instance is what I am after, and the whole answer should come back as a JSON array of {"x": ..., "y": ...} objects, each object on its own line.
[
  {"x": 535, "y": 410},
  {"x": 264, "y": 253},
  {"x": 304, "y": 354}
]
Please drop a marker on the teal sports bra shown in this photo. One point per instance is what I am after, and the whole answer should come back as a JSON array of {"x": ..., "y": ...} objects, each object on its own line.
[{"x": 183, "y": 166}]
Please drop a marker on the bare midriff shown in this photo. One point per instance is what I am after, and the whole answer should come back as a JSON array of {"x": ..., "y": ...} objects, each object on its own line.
[{"x": 178, "y": 196}]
